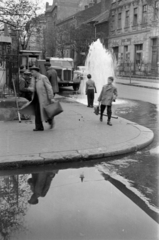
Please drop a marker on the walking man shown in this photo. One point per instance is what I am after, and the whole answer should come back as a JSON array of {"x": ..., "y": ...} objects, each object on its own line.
[
  {"x": 107, "y": 96},
  {"x": 90, "y": 90},
  {"x": 52, "y": 76},
  {"x": 42, "y": 96}
]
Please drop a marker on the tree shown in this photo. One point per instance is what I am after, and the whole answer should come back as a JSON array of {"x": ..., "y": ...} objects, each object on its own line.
[
  {"x": 20, "y": 16},
  {"x": 13, "y": 205},
  {"x": 50, "y": 41},
  {"x": 63, "y": 39},
  {"x": 82, "y": 38}
]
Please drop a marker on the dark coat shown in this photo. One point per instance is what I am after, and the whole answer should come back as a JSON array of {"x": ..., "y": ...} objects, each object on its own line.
[
  {"x": 45, "y": 94},
  {"x": 108, "y": 94},
  {"x": 52, "y": 76}
]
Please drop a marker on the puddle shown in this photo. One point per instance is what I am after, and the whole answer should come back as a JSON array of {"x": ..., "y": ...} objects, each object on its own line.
[
  {"x": 155, "y": 150},
  {"x": 75, "y": 203}
]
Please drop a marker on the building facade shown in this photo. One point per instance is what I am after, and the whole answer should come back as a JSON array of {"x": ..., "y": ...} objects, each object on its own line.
[
  {"x": 134, "y": 36},
  {"x": 83, "y": 28},
  {"x": 64, "y": 13},
  {"x": 58, "y": 11}
]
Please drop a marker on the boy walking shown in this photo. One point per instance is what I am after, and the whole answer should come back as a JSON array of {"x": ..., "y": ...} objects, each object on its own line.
[{"x": 107, "y": 96}]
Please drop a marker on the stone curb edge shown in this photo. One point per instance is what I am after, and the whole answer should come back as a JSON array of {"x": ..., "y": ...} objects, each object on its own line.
[
  {"x": 142, "y": 140},
  {"x": 134, "y": 85}
]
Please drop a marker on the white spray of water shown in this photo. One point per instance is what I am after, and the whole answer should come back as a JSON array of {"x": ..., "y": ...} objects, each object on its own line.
[{"x": 99, "y": 63}]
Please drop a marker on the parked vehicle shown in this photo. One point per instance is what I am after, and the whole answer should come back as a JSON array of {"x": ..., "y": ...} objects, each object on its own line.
[{"x": 65, "y": 71}]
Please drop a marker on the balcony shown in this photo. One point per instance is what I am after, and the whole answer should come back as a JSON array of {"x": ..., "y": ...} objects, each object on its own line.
[
  {"x": 144, "y": 24},
  {"x": 135, "y": 27},
  {"x": 119, "y": 30},
  {"x": 126, "y": 28}
]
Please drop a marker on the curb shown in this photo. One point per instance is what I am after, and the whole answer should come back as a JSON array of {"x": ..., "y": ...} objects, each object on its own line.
[
  {"x": 134, "y": 85},
  {"x": 142, "y": 140}
]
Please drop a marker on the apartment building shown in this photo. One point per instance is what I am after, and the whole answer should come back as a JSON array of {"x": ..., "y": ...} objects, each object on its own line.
[{"x": 134, "y": 34}]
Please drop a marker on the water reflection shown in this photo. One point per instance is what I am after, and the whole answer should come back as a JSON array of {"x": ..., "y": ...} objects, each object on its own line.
[
  {"x": 40, "y": 184},
  {"x": 13, "y": 204},
  {"x": 72, "y": 203}
]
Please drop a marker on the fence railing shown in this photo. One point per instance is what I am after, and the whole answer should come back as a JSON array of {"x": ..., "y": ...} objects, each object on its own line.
[
  {"x": 9, "y": 64},
  {"x": 138, "y": 70}
]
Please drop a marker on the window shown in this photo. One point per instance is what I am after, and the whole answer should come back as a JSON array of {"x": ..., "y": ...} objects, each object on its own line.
[
  {"x": 155, "y": 53},
  {"x": 127, "y": 18},
  {"x": 156, "y": 10},
  {"x": 135, "y": 16},
  {"x": 126, "y": 53},
  {"x": 144, "y": 14},
  {"x": 119, "y": 20},
  {"x": 116, "y": 52},
  {"x": 113, "y": 21},
  {"x": 138, "y": 53}
]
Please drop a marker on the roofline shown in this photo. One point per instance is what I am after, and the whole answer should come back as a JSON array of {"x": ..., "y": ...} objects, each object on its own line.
[{"x": 65, "y": 20}]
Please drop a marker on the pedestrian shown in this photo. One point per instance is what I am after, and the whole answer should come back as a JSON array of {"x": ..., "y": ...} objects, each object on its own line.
[
  {"x": 106, "y": 97},
  {"x": 21, "y": 83},
  {"x": 90, "y": 90},
  {"x": 52, "y": 76},
  {"x": 24, "y": 82},
  {"x": 42, "y": 96}
]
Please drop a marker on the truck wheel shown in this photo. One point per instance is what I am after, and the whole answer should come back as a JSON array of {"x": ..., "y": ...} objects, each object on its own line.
[{"x": 75, "y": 87}]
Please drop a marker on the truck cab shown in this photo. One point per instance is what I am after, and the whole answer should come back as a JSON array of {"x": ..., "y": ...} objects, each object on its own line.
[{"x": 65, "y": 72}]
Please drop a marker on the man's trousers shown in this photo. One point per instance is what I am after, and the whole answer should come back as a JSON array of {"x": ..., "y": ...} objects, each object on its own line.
[{"x": 109, "y": 111}]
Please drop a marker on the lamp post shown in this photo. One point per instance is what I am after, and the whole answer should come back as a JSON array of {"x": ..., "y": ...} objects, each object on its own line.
[{"x": 17, "y": 30}]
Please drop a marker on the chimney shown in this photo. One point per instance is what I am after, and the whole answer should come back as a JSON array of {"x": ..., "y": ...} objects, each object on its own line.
[
  {"x": 47, "y": 5},
  {"x": 105, "y": 5},
  {"x": 90, "y": 4},
  {"x": 6, "y": 32}
]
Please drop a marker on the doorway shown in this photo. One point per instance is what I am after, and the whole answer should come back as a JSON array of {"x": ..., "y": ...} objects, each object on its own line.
[{"x": 154, "y": 56}]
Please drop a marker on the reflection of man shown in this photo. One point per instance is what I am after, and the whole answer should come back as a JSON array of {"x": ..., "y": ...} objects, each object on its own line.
[
  {"x": 40, "y": 184},
  {"x": 52, "y": 76}
]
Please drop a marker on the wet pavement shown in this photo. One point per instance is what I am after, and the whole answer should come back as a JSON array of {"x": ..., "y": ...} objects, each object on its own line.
[
  {"x": 75, "y": 203},
  {"x": 114, "y": 200}
]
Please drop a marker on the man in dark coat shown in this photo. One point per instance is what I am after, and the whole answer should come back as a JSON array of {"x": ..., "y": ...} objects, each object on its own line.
[
  {"x": 90, "y": 90},
  {"x": 52, "y": 76},
  {"x": 106, "y": 97},
  {"x": 24, "y": 81}
]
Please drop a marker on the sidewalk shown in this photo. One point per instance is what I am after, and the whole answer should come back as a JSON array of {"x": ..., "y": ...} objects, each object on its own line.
[
  {"x": 78, "y": 135},
  {"x": 152, "y": 84}
]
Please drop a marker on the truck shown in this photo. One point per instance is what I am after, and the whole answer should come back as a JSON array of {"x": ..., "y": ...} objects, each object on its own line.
[{"x": 65, "y": 71}]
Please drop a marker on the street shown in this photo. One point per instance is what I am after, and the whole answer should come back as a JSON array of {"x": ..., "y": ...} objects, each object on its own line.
[
  {"x": 79, "y": 114},
  {"x": 80, "y": 194},
  {"x": 138, "y": 93}
]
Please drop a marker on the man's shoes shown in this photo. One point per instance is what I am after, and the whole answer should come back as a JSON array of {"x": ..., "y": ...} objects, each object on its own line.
[
  {"x": 109, "y": 123},
  {"x": 39, "y": 129},
  {"x": 88, "y": 106},
  {"x": 101, "y": 119},
  {"x": 51, "y": 122}
]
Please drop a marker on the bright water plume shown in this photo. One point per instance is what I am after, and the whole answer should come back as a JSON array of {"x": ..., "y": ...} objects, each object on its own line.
[{"x": 99, "y": 63}]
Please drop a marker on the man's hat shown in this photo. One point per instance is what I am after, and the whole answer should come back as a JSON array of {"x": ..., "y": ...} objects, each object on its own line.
[
  {"x": 35, "y": 68},
  {"x": 27, "y": 72}
]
